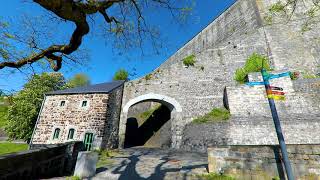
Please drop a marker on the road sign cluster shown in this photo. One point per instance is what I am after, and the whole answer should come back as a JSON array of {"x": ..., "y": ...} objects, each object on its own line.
[{"x": 275, "y": 93}]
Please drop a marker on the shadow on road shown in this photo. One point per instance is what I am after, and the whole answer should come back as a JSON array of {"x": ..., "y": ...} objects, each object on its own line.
[{"x": 127, "y": 168}]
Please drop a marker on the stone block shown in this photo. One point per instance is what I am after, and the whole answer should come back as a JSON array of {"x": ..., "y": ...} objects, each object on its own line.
[{"x": 86, "y": 164}]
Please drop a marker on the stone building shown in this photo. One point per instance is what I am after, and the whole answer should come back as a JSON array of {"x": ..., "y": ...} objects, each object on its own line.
[{"x": 89, "y": 114}]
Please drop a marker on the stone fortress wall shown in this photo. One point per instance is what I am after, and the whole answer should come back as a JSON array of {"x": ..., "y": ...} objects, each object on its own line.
[{"x": 221, "y": 48}]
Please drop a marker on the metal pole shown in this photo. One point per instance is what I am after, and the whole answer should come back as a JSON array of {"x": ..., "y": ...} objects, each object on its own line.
[{"x": 277, "y": 125}]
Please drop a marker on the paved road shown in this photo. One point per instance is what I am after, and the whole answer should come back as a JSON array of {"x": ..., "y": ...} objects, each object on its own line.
[{"x": 153, "y": 164}]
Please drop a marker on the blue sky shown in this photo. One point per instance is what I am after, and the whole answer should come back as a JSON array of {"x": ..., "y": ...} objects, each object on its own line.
[{"x": 103, "y": 62}]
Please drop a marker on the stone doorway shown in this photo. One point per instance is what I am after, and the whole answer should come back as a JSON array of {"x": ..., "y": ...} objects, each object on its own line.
[
  {"x": 160, "y": 127},
  {"x": 149, "y": 125}
]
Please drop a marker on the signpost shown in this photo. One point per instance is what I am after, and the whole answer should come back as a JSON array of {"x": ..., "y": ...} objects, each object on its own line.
[{"x": 276, "y": 93}]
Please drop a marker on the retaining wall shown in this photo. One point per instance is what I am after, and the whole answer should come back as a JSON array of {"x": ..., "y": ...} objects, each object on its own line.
[
  {"x": 264, "y": 162},
  {"x": 42, "y": 161}
]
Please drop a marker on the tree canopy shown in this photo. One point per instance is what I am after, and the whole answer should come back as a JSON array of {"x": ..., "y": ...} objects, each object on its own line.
[
  {"x": 23, "y": 113},
  {"x": 125, "y": 22},
  {"x": 78, "y": 80},
  {"x": 121, "y": 74}
]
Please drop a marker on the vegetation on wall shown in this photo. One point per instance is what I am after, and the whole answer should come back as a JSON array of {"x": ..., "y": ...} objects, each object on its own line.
[
  {"x": 148, "y": 77},
  {"x": 307, "y": 75},
  {"x": 121, "y": 74},
  {"x": 254, "y": 63},
  {"x": 189, "y": 60},
  {"x": 286, "y": 10},
  {"x": 216, "y": 115}
]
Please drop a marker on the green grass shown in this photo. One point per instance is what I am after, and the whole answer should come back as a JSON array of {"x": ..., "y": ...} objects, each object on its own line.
[
  {"x": 105, "y": 157},
  {"x": 9, "y": 147},
  {"x": 216, "y": 115},
  {"x": 73, "y": 178},
  {"x": 214, "y": 176}
]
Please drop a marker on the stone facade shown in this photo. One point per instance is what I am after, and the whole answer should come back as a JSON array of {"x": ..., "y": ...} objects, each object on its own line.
[
  {"x": 100, "y": 117},
  {"x": 221, "y": 48}
]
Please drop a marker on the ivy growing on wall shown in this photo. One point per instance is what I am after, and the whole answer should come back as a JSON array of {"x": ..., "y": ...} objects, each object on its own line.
[{"x": 287, "y": 9}]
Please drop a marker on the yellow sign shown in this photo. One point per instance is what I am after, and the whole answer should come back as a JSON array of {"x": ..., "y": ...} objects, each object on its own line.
[{"x": 277, "y": 97}]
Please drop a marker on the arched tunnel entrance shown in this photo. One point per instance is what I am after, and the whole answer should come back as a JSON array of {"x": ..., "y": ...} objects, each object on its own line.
[
  {"x": 150, "y": 120},
  {"x": 148, "y": 124}
]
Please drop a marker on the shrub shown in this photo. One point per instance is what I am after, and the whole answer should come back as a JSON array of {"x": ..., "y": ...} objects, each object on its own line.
[
  {"x": 216, "y": 115},
  {"x": 277, "y": 7},
  {"x": 255, "y": 63},
  {"x": 121, "y": 74},
  {"x": 240, "y": 75},
  {"x": 189, "y": 60},
  {"x": 3, "y": 111},
  {"x": 148, "y": 77}
]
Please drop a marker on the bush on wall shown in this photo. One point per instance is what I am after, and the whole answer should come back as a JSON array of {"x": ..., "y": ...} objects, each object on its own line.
[
  {"x": 189, "y": 60},
  {"x": 255, "y": 63}
]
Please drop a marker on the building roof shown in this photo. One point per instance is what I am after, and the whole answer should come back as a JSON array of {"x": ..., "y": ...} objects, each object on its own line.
[{"x": 96, "y": 88}]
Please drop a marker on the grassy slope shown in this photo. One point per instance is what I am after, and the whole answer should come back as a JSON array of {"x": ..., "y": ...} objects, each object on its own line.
[
  {"x": 8, "y": 147},
  {"x": 216, "y": 115},
  {"x": 142, "y": 117}
]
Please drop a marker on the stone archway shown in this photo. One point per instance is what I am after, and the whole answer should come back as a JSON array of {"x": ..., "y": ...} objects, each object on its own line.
[{"x": 169, "y": 102}]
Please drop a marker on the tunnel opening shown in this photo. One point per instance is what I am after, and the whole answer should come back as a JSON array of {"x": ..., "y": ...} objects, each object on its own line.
[{"x": 148, "y": 124}]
